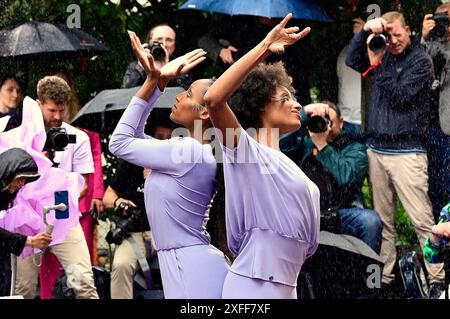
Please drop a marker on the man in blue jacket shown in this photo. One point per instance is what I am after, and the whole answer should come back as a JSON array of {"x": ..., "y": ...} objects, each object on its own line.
[{"x": 397, "y": 125}]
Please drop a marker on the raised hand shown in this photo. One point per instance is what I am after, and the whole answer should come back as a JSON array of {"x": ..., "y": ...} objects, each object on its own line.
[
  {"x": 280, "y": 37},
  {"x": 183, "y": 64},
  {"x": 427, "y": 25},
  {"x": 180, "y": 66},
  {"x": 143, "y": 55}
]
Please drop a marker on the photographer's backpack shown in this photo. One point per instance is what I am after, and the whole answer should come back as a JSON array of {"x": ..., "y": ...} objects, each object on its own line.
[
  {"x": 410, "y": 271},
  {"x": 102, "y": 280}
]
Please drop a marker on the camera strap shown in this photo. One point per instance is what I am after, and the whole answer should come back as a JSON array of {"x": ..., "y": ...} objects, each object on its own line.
[
  {"x": 147, "y": 281},
  {"x": 371, "y": 67}
]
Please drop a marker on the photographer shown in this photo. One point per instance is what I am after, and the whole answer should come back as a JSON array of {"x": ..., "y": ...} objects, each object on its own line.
[
  {"x": 436, "y": 37},
  {"x": 397, "y": 131},
  {"x": 127, "y": 187},
  {"x": 337, "y": 165},
  {"x": 17, "y": 168},
  {"x": 160, "y": 42},
  {"x": 53, "y": 96}
]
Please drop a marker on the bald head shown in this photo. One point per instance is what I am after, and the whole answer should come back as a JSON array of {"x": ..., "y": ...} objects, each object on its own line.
[{"x": 164, "y": 34}]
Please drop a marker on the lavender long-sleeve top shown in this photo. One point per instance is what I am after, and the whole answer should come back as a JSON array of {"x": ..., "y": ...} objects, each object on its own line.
[
  {"x": 178, "y": 191},
  {"x": 272, "y": 212}
]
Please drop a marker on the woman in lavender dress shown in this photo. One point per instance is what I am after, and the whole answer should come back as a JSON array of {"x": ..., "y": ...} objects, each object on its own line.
[
  {"x": 179, "y": 190},
  {"x": 272, "y": 208}
]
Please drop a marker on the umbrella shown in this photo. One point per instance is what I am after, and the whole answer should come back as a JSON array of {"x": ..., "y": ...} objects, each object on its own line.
[
  {"x": 339, "y": 268},
  {"x": 98, "y": 114},
  {"x": 33, "y": 38},
  {"x": 301, "y": 9}
]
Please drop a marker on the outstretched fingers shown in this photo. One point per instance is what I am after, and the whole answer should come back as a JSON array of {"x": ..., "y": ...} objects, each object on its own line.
[
  {"x": 286, "y": 19},
  {"x": 193, "y": 53},
  {"x": 292, "y": 30},
  {"x": 301, "y": 34},
  {"x": 132, "y": 40},
  {"x": 198, "y": 54}
]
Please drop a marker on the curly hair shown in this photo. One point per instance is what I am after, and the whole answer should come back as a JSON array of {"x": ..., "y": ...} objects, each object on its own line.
[
  {"x": 252, "y": 96},
  {"x": 53, "y": 88}
]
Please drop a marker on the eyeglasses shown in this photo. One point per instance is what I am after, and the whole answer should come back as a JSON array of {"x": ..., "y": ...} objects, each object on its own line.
[{"x": 283, "y": 98}]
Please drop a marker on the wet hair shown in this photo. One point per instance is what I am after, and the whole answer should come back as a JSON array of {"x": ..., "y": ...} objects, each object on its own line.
[
  {"x": 257, "y": 89},
  {"x": 54, "y": 88},
  {"x": 7, "y": 77},
  {"x": 198, "y": 106},
  {"x": 74, "y": 105},
  {"x": 333, "y": 106},
  {"x": 394, "y": 15}
]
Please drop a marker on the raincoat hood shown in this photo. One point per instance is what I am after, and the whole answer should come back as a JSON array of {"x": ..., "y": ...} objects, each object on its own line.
[{"x": 15, "y": 162}]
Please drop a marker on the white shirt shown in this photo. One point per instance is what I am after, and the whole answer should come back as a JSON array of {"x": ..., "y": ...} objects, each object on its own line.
[
  {"x": 76, "y": 157},
  {"x": 349, "y": 90}
]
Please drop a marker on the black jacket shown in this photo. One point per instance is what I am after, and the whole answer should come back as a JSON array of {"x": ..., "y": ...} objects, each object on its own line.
[
  {"x": 14, "y": 162},
  {"x": 400, "y": 96}
]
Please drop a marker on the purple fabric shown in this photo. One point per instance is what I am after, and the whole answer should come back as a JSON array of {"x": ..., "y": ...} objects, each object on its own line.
[
  {"x": 272, "y": 213},
  {"x": 25, "y": 216},
  {"x": 177, "y": 197}
]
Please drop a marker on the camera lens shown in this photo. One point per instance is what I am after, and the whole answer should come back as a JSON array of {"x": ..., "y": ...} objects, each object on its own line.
[
  {"x": 378, "y": 43},
  {"x": 440, "y": 31},
  {"x": 60, "y": 140},
  {"x": 157, "y": 51},
  {"x": 115, "y": 236},
  {"x": 317, "y": 124}
]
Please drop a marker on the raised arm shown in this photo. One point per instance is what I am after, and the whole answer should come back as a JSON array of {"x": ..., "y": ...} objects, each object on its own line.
[
  {"x": 127, "y": 141},
  {"x": 218, "y": 94}
]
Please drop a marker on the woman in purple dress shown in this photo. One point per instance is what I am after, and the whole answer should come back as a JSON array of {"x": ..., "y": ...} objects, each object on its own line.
[
  {"x": 179, "y": 190},
  {"x": 272, "y": 208}
]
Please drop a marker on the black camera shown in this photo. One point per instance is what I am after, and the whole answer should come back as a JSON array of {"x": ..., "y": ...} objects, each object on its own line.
[
  {"x": 378, "y": 42},
  {"x": 330, "y": 221},
  {"x": 58, "y": 139},
  {"x": 128, "y": 219},
  {"x": 440, "y": 31},
  {"x": 157, "y": 51},
  {"x": 318, "y": 124}
]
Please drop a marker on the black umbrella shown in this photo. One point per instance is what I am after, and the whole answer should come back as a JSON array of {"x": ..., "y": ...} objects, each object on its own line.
[
  {"x": 340, "y": 268},
  {"x": 35, "y": 38},
  {"x": 103, "y": 111}
]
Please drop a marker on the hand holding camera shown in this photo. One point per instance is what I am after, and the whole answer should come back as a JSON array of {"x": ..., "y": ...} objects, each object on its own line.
[
  {"x": 378, "y": 40},
  {"x": 318, "y": 123},
  {"x": 128, "y": 219},
  {"x": 56, "y": 141},
  {"x": 435, "y": 26}
]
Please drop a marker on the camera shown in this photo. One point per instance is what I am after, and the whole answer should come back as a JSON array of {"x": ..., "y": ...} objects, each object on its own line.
[
  {"x": 128, "y": 219},
  {"x": 378, "y": 42},
  {"x": 58, "y": 139},
  {"x": 440, "y": 31},
  {"x": 318, "y": 124},
  {"x": 157, "y": 51}
]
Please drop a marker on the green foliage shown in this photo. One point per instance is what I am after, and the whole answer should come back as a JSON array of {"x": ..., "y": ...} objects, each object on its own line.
[{"x": 108, "y": 23}]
